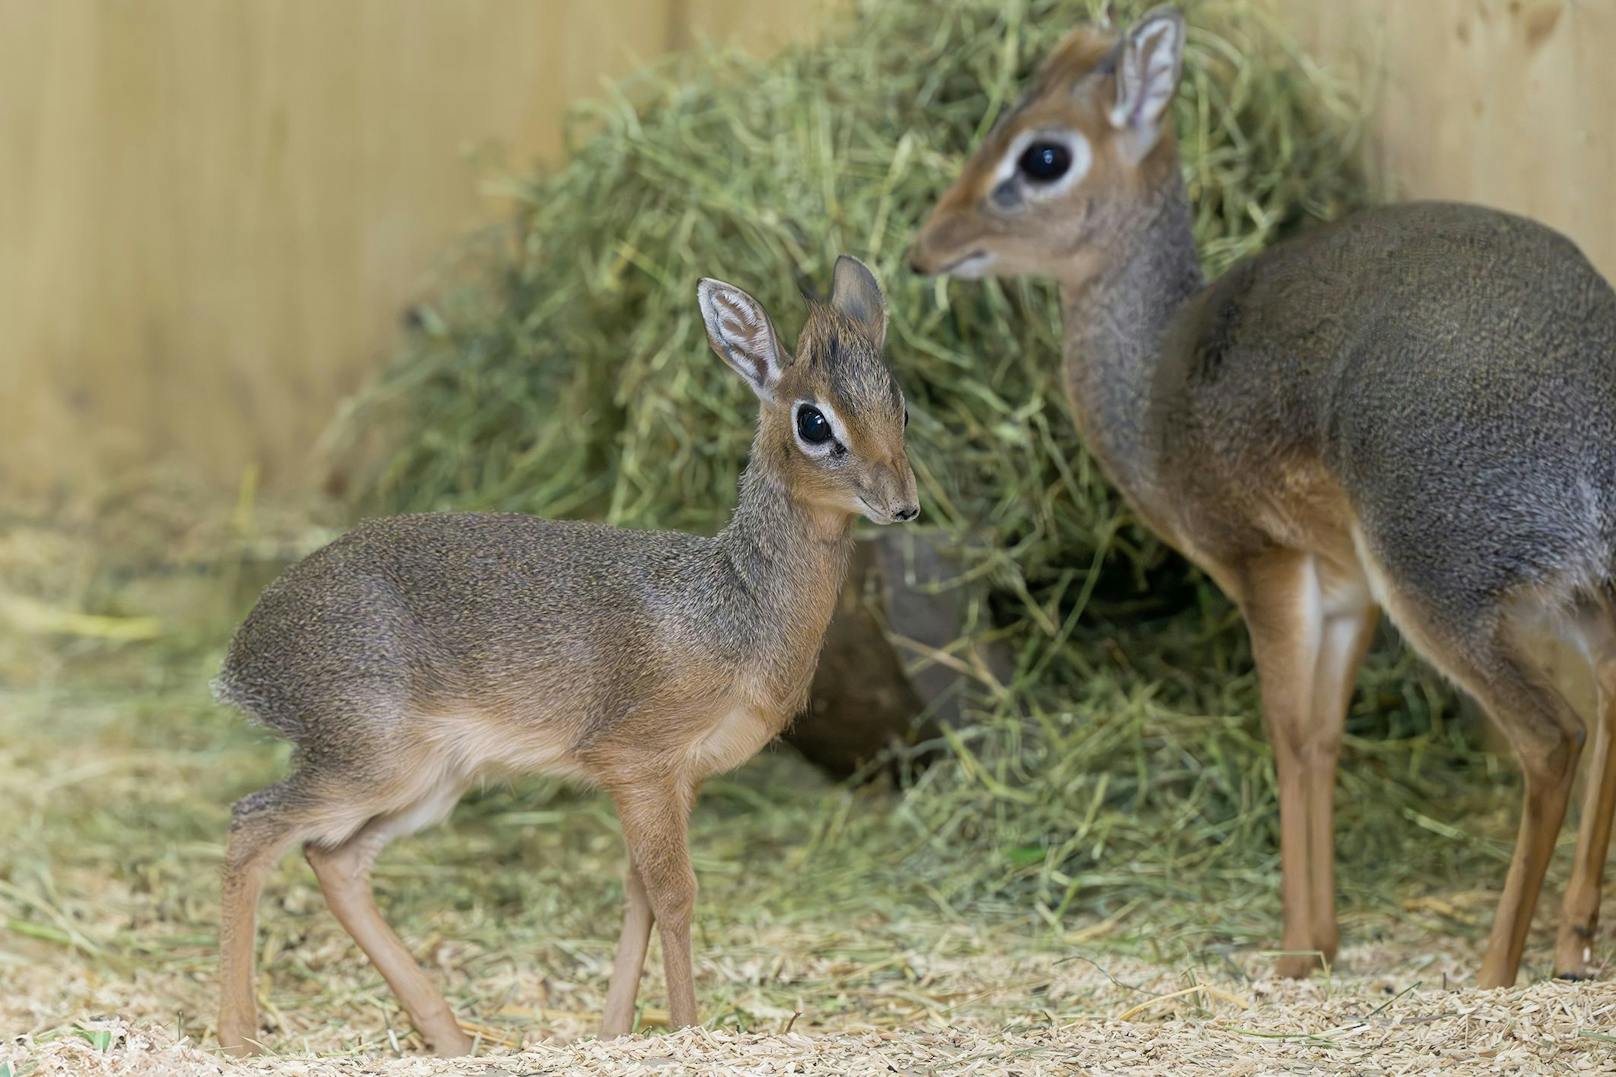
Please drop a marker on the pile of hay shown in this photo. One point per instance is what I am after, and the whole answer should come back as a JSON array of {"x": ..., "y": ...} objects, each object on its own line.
[{"x": 567, "y": 376}]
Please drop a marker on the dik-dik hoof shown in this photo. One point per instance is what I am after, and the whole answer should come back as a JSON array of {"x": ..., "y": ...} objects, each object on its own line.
[
  {"x": 1574, "y": 953},
  {"x": 239, "y": 1032},
  {"x": 447, "y": 1044},
  {"x": 1298, "y": 966}
]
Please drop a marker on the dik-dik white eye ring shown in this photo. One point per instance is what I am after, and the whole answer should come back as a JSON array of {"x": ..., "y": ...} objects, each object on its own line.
[
  {"x": 818, "y": 429},
  {"x": 1040, "y": 164}
]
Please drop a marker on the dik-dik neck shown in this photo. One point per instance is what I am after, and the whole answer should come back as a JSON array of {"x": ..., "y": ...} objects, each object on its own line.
[
  {"x": 1114, "y": 322},
  {"x": 789, "y": 560}
]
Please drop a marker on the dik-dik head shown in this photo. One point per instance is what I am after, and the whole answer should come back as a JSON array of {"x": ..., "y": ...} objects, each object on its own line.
[
  {"x": 1061, "y": 176},
  {"x": 833, "y": 418}
]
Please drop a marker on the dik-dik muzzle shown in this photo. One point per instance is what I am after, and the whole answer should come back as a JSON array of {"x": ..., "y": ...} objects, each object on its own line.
[{"x": 888, "y": 494}]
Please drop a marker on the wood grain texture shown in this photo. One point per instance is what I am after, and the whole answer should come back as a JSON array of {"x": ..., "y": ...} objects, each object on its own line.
[{"x": 212, "y": 212}]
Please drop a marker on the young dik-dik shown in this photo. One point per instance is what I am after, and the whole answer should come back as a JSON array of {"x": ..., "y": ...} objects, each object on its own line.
[
  {"x": 419, "y": 653},
  {"x": 1413, "y": 409}
]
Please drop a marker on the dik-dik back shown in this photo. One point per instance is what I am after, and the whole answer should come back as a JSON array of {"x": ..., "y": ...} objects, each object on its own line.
[
  {"x": 543, "y": 628},
  {"x": 1404, "y": 361}
]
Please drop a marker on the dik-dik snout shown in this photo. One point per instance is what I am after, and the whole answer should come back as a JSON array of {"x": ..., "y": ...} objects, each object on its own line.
[
  {"x": 1058, "y": 176},
  {"x": 833, "y": 415},
  {"x": 888, "y": 494}
]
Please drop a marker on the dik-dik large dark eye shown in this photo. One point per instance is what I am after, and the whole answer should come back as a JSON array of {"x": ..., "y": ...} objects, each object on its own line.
[
  {"x": 812, "y": 426},
  {"x": 1044, "y": 162}
]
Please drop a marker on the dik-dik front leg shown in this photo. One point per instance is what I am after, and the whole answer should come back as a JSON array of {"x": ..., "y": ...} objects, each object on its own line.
[
  {"x": 630, "y": 960},
  {"x": 656, "y": 821},
  {"x": 1307, "y": 654}
]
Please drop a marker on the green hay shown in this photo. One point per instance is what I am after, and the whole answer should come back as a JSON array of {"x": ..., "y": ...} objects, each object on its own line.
[{"x": 569, "y": 377}]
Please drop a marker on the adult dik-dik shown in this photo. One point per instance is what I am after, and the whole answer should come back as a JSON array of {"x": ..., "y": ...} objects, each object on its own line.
[
  {"x": 419, "y": 653},
  {"x": 1411, "y": 410}
]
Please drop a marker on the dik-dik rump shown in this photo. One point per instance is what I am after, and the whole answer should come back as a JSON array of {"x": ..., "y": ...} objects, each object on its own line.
[
  {"x": 418, "y": 654},
  {"x": 1410, "y": 410}
]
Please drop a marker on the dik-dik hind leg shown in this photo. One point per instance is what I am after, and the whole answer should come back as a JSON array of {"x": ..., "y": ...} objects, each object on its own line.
[
  {"x": 1307, "y": 658},
  {"x": 262, "y": 826},
  {"x": 1546, "y": 735},
  {"x": 1579, "y": 916},
  {"x": 344, "y": 875},
  {"x": 656, "y": 823}
]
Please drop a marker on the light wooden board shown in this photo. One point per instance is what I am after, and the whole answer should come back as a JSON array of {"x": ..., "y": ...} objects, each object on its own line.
[{"x": 213, "y": 212}]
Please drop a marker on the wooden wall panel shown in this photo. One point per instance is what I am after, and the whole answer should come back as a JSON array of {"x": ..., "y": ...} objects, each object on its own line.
[{"x": 213, "y": 211}]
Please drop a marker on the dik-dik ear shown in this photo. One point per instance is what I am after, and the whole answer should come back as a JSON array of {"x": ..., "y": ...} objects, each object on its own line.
[
  {"x": 1152, "y": 54},
  {"x": 856, "y": 296},
  {"x": 741, "y": 334}
]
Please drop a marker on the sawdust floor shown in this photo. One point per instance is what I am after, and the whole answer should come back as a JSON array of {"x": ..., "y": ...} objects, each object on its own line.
[{"x": 1384, "y": 1010}]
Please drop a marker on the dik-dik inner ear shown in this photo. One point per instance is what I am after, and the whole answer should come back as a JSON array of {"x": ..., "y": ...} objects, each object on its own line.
[
  {"x": 856, "y": 296},
  {"x": 741, "y": 334},
  {"x": 1152, "y": 53}
]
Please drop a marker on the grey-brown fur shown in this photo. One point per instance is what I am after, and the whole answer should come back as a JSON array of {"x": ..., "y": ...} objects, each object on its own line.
[
  {"x": 1413, "y": 410},
  {"x": 418, "y": 653},
  {"x": 438, "y": 611},
  {"x": 1452, "y": 367}
]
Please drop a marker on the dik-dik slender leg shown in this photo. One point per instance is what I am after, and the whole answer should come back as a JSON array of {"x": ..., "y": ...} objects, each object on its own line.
[
  {"x": 1484, "y": 654},
  {"x": 344, "y": 875},
  {"x": 1344, "y": 639},
  {"x": 630, "y": 961},
  {"x": 656, "y": 824},
  {"x": 1546, "y": 735},
  {"x": 261, "y": 828},
  {"x": 1579, "y": 916},
  {"x": 1281, "y": 606}
]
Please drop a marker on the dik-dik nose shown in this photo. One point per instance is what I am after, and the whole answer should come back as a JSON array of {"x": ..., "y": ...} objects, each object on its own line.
[
  {"x": 922, "y": 257},
  {"x": 902, "y": 497},
  {"x": 905, "y": 500}
]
